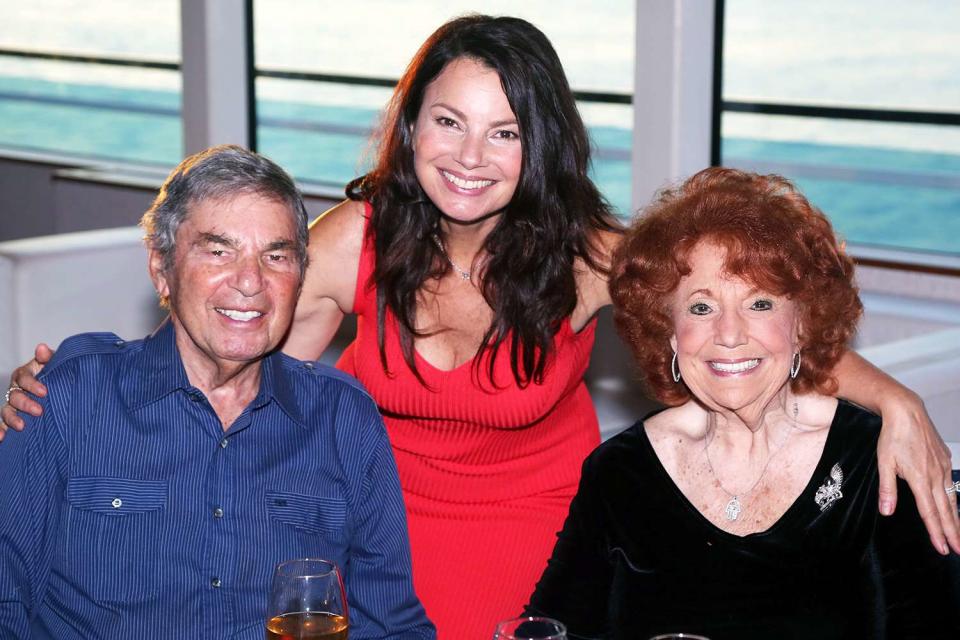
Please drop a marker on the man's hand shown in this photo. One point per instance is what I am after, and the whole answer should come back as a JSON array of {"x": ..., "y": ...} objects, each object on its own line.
[
  {"x": 911, "y": 448},
  {"x": 23, "y": 382}
]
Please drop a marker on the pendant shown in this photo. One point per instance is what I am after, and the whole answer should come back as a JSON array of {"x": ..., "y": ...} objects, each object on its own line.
[{"x": 732, "y": 510}]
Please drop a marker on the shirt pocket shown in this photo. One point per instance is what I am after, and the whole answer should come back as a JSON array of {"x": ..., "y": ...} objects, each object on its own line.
[
  {"x": 113, "y": 536},
  {"x": 308, "y": 514}
]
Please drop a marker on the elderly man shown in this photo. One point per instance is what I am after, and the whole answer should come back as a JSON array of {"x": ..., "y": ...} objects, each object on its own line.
[{"x": 168, "y": 476}]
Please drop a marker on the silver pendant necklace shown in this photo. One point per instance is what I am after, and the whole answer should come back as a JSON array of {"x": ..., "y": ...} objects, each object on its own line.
[
  {"x": 463, "y": 273},
  {"x": 734, "y": 508}
]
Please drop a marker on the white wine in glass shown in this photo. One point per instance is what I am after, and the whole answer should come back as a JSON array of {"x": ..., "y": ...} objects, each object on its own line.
[{"x": 307, "y": 602}]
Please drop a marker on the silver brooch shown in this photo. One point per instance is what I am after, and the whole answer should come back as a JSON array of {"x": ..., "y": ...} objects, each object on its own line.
[{"x": 829, "y": 492}]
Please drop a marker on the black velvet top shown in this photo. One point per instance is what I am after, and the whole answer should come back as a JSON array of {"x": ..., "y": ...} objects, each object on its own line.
[{"x": 635, "y": 557}]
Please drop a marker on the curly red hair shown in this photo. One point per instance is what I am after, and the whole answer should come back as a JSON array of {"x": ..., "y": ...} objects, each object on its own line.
[{"x": 774, "y": 239}]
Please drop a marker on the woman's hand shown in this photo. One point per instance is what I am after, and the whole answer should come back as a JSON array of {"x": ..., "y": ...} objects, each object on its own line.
[
  {"x": 911, "y": 448},
  {"x": 23, "y": 382}
]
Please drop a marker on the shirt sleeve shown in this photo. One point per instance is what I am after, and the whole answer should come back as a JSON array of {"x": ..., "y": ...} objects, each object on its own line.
[
  {"x": 575, "y": 586},
  {"x": 29, "y": 474},
  {"x": 921, "y": 587},
  {"x": 379, "y": 582}
]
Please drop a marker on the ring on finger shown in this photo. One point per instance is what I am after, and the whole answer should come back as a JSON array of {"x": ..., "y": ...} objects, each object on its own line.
[
  {"x": 954, "y": 488},
  {"x": 13, "y": 387}
]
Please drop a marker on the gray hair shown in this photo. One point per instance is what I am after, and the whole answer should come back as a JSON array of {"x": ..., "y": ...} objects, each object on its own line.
[{"x": 216, "y": 173}]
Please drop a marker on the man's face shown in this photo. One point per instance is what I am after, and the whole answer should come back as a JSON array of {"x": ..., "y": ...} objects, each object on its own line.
[{"x": 234, "y": 281}]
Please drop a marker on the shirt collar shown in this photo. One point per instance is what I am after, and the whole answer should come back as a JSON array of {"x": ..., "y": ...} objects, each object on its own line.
[
  {"x": 275, "y": 384},
  {"x": 157, "y": 371}
]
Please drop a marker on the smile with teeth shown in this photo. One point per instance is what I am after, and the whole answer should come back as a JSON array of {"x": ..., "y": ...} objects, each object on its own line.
[
  {"x": 242, "y": 316},
  {"x": 734, "y": 367},
  {"x": 466, "y": 184}
]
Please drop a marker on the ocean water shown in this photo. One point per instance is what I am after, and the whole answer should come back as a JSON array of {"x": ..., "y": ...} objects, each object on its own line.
[{"x": 881, "y": 184}]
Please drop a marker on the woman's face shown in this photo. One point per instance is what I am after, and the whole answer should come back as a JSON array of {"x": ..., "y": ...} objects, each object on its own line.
[
  {"x": 466, "y": 142},
  {"x": 734, "y": 343}
]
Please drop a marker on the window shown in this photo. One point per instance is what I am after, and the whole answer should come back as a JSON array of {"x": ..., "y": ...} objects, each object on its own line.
[
  {"x": 324, "y": 72},
  {"x": 858, "y": 102},
  {"x": 95, "y": 80}
]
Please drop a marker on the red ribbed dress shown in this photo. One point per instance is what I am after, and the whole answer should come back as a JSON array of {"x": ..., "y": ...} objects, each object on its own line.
[{"x": 487, "y": 473}]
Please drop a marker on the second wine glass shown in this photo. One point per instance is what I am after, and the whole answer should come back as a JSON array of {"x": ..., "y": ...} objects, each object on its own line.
[{"x": 307, "y": 602}]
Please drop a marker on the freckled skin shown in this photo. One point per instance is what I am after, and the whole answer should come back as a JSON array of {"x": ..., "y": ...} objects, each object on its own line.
[{"x": 734, "y": 347}]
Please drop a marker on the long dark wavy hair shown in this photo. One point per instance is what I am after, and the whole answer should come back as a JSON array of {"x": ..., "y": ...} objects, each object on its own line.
[{"x": 528, "y": 276}]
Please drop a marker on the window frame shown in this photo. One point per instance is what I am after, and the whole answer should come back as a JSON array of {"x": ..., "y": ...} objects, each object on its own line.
[
  {"x": 866, "y": 255},
  {"x": 673, "y": 137}
]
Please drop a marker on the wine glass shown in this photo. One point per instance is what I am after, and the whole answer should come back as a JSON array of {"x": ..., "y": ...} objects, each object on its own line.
[
  {"x": 530, "y": 628},
  {"x": 679, "y": 636},
  {"x": 307, "y": 602}
]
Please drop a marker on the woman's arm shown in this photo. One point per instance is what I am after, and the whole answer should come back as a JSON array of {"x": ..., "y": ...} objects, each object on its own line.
[
  {"x": 593, "y": 292},
  {"x": 336, "y": 238},
  {"x": 909, "y": 447}
]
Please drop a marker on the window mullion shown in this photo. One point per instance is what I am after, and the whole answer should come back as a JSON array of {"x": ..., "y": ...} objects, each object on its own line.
[{"x": 216, "y": 85}]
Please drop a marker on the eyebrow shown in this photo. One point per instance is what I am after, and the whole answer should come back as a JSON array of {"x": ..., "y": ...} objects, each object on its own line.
[
  {"x": 462, "y": 116},
  {"x": 752, "y": 292},
  {"x": 207, "y": 237},
  {"x": 218, "y": 238},
  {"x": 280, "y": 244}
]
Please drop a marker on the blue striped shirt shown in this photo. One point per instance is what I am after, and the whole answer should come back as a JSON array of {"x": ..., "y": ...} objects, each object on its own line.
[{"x": 126, "y": 511}]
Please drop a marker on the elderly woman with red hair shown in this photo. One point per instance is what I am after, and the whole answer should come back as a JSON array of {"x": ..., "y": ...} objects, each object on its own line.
[{"x": 746, "y": 508}]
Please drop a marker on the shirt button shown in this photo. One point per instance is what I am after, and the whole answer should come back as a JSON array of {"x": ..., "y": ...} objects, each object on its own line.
[
  {"x": 308, "y": 365},
  {"x": 215, "y": 583},
  {"x": 117, "y": 503},
  {"x": 218, "y": 513},
  {"x": 223, "y": 443},
  {"x": 119, "y": 343}
]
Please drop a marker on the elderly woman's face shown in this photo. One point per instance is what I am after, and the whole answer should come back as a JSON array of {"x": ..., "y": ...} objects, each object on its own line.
[{"x": 734, "y": 343}]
